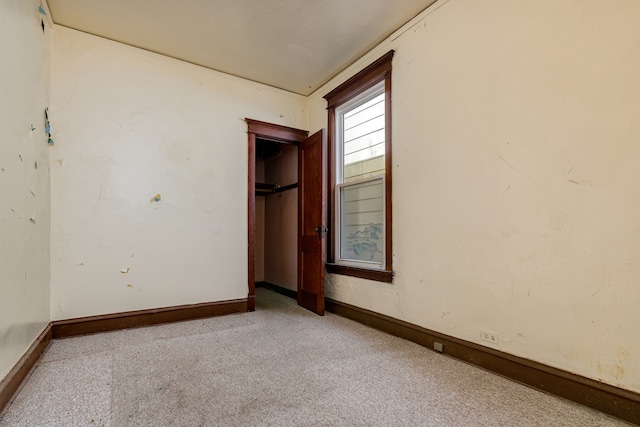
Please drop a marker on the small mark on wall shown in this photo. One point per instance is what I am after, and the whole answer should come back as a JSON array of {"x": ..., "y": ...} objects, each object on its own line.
[
  {"x": 156, "y": 198},
  {"x": 125, "y": 270},
  {"x": 20, "y": 157},
  {"x": 33, "y": 221},
  {"x": 129, "y": 285},
  {"x": 504, "y": 194}
]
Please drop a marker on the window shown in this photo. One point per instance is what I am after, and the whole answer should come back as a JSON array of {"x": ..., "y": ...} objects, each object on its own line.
[
  {"x": 360, "y": 146},
  {"x": 360, "y": 174}
]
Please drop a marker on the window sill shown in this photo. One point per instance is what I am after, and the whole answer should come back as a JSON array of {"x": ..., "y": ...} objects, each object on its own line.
[{"x": 385, "y": 276}]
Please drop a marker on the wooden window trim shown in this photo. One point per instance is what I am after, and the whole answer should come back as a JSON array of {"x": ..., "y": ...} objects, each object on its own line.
[
  {"x": 385, "y": 276},
  {"x": 378, "y": 71}
]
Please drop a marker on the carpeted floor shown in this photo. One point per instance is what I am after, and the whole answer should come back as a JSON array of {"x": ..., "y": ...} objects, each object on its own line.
[{"x": 278, "y": 366}]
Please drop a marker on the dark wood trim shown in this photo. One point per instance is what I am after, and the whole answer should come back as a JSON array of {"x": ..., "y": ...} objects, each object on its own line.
[
  {"x": 11, "y": 383},
  {"x": 251, "y": 302},
  {"x": 363, "y": 80},
  {"x": 135, "y": 319},
  {"x": 311, "y": 295},
  {"x": 378, "y": 71},
  {"x": 612, "y": 400},
  {"x": 251, "y": 222},
  {"x": 388, "y": 166},
  {"x": 278, "y": 289},
  {"x": 363, "y": 273},
  {"x": 285, "y": 135},
  {"x": 275, "y": 132},
  {"x": 331, "y": 185}
]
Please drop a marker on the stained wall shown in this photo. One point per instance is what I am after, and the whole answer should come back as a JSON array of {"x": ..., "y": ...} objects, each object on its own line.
[
  {"x": 131, "y": 125},
  {"x": 515, "y": 172},
  {"x": 24, "y": 178}
]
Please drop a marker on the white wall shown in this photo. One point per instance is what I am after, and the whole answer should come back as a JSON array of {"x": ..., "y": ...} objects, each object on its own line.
[
  {"x": 24, "y": 189},
  {"x": 281, "y": 221},
  {"x": 515, "y": 180},
  {"x": 129, "y": 125}
]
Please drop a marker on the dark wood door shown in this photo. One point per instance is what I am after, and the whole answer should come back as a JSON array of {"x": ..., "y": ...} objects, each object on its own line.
[{"x": 312, "y": 221}]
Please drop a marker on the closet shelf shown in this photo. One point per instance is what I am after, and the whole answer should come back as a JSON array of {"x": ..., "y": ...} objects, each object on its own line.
[{"x": 266, "y": 189}]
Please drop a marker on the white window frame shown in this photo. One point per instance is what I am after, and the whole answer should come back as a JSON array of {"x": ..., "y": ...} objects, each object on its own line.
[{"x": 356, "y": 101}]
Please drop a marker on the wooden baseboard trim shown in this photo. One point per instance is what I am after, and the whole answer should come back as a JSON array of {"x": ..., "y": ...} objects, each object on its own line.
[
  {"x": 134, "y": 319},
  {"x": 612, "y": 400},
  {"x": 10, "y": 384},
  {"x": 278, "y": 289}
]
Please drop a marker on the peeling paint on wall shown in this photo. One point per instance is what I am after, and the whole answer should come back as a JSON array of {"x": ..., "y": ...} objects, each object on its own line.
[
  {"x": 132, "y": 154},
  {"x": 47, "y": 126}
]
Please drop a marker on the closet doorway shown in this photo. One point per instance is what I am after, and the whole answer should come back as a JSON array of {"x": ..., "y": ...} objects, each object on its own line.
[
  {"x": 272, "y": 206},
  {"x": 275, "y": 154}
]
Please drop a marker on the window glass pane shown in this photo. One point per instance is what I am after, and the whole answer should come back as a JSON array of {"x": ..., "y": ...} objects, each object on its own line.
[
  {"x": 364, "y": 140},
  {"x": 361, "y": 221}
]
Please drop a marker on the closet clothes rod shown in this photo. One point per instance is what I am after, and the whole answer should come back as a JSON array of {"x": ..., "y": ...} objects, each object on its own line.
[{"x": 267, "y": 189}]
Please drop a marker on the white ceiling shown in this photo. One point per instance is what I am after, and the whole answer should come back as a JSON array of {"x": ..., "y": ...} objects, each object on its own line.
[{"x": 296, "y": 45}]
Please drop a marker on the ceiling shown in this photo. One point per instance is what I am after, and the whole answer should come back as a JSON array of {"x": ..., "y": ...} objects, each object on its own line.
[{"x": 295, "y": 45}]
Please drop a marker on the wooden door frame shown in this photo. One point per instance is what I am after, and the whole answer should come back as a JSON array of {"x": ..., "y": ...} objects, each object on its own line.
[{"x": 273, "y": 132}]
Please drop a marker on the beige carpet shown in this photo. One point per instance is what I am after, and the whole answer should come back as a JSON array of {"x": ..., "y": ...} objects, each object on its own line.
[{"x": 278, "y": 366}]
